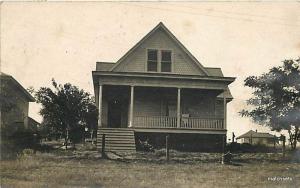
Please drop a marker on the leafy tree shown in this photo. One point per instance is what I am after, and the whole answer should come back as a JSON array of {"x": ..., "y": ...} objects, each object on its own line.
[
  {"x": 276, "y": 100},
  {"x": 66, "y": 110}
]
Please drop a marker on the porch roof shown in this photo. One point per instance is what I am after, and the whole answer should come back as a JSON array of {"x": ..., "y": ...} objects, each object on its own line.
[
  {"x": 213, "y": 71},
  {"x": 162, "y": 80}
]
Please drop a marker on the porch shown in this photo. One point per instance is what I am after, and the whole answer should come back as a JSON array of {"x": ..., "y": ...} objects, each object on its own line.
[{"x": 159, "y": 109}]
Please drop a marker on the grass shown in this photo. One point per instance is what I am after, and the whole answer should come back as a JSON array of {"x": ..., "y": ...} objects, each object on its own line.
[{"x": 146, "y": 170}]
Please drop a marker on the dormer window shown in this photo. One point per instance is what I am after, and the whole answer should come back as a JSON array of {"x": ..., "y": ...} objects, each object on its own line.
[
  {"x": 159, "y": 60},
  {"x": 166, "y": 60},
  {"x": 152, "y": 60}
]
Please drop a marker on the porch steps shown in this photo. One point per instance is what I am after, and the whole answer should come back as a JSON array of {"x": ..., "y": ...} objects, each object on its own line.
[{"x": 116, "y": 139}]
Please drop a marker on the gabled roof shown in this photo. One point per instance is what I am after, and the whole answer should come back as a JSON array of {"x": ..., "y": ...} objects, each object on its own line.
[
  {"x": 255, "y": 134},
  {"x": 163, "y": 27},
  {"x": 13, "y": 81}
]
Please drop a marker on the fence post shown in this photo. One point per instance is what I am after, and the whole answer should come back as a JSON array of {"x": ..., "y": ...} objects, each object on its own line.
[
  {"x": 283, "y": 146},
  {"x": 167, "y": 147},
  {"x": 103, "y": 147},
  {"x": 223, "y": 148},
  {"x": 274, "y": 142}
]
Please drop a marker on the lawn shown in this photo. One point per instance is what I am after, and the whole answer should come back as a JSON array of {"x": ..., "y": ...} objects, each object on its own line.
[{"x": 87, "y": 169}]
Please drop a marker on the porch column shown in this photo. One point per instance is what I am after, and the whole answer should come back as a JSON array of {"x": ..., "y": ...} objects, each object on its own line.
[
  {"x": 178, "y": 107},
  {"x": 100, "y": 106},
  {"x": 225, "y": 110},
  {"x": 130, "y": 124}
]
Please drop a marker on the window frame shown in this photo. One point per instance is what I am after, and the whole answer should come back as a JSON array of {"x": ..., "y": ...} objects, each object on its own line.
[
  {"x": 159, "y": 59},
  {"x": 162, "y": 62}
]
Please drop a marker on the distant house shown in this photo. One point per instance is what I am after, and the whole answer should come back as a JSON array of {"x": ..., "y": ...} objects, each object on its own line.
[
  {"x": 157, "y": 88},
  {"x": 257, "y": 138},
  {"x": 14, "y": 102}
]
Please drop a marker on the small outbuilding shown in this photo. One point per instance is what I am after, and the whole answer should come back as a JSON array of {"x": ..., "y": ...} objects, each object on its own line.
[{"x": 257, "y": 138}]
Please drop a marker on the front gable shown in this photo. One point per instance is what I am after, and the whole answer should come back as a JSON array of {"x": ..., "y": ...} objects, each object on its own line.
[{"x": 160, "y": 39}]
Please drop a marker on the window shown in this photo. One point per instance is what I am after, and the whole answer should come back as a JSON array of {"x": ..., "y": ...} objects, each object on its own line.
[
  {"x": 166, "y": 60},
  {"x": 152, "y": 60}
]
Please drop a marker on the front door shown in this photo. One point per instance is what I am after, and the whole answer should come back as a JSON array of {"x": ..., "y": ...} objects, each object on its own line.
[{"x": 114, "y": 114}]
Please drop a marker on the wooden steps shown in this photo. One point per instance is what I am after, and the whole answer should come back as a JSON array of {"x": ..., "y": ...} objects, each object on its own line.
[{"x": 116, "y": 139}]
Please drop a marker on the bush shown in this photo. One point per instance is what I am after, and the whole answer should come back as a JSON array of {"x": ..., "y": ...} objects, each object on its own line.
[
  {"x": 145, "y": 146},
  {"x": 15, "y": 140},
  {"x": 27, "y": 152},
  {"x": 248, "y": 148}
]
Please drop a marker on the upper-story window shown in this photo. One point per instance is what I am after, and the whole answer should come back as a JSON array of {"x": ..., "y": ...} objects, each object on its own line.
[
  {"x": 159, "y": 60},
  {"x": 166, "y": 61},
  {"x": 152, "y": 60}
]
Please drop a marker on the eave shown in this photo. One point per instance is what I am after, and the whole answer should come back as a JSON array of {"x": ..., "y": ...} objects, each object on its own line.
[
  {"x": 14, "y": 82},
  {"x": 161, "y": 79}
]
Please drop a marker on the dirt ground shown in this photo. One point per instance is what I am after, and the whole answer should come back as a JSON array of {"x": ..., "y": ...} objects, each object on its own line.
[{"x": 88, "y": 169}]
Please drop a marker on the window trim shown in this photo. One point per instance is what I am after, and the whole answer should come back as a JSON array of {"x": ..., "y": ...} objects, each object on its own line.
[
  {"x": 159, "y": 54},
  {"x": 157, "y": 60},
  {"x": 171, "y": 60}
]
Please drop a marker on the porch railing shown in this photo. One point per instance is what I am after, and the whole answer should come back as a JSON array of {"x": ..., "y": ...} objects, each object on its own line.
[
  {"x": 202, "y": 123},
  {"x": 171, "y": 122},
  {"x": 155, "y": 122}
]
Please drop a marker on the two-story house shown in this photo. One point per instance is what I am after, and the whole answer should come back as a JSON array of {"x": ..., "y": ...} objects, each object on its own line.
[
  {"x": 158, "y": 87},
  {"x": 14, "y": 102}
]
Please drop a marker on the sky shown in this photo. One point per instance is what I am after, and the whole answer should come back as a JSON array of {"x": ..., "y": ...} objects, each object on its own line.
[{"x": 64, "y": 40}]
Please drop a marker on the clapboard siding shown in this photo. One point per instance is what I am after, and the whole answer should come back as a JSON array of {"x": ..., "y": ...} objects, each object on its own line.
[
  {"x": 147, "y": 104},
  {"x": 151, "y": 102},
  {"x": 198, "y": 107},
  {"x": 219, "y": 108},
  {"x": 136, "y": 61},
  {"x": 198, "y": 104}
]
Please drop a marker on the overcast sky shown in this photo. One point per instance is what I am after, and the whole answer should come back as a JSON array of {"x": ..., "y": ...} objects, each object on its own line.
[{"x": 40, "y": 41}]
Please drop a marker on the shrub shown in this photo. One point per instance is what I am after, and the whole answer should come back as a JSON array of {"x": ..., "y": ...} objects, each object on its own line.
[
  {"x": 27, "y": 152},
  {"x": 15, "y": 139}
]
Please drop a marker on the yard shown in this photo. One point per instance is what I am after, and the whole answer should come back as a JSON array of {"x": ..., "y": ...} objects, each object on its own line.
[{"x": 86, "y": 169}]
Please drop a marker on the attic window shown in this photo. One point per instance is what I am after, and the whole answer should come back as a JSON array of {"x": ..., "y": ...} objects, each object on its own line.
[
  {"x": 166, "y": 60},
  {"x": 152, "y": 60}
]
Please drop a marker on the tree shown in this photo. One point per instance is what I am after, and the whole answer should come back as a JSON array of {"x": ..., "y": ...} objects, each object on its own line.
[
  {"x": 66, "y": 110},
  {"x": 276, "y": 100}
]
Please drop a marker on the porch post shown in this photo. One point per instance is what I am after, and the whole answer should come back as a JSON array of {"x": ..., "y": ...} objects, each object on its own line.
[
  {"x": 225, "y": 110},
  {"x": 100, "y": 106},
  {"x": 178, "y": 107},
  {"x": 131, "y": 106}
]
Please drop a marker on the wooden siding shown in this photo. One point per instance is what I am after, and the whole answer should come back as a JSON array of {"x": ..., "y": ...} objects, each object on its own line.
[
  {"x": 151, "y": 102},
  {"x": 219, "y": 108},
  {"x": 198, "y": 104},
  {"x": 182, "y": 63},
  {"x": 147, "y": 104},
  {"x": 18, "y": 114}
]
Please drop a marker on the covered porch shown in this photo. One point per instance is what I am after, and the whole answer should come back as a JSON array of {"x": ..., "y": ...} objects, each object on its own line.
[
  {"x": 168, "y": 108},
  {"x": 161, "y": 101}
]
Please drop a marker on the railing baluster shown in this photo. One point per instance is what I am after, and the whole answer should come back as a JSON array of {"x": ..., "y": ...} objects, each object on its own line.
[{"x": 171, "y": 122}]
